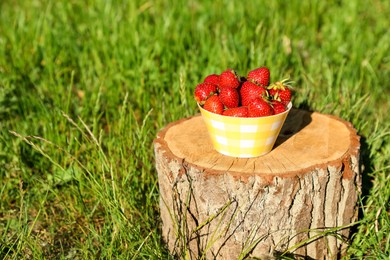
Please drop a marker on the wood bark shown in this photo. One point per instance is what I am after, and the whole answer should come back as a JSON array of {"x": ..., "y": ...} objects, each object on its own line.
[{"x": 299, "y": 200}]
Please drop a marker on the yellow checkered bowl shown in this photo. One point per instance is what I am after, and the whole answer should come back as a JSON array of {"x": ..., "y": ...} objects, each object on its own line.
[{"x": 243, "y": 137}]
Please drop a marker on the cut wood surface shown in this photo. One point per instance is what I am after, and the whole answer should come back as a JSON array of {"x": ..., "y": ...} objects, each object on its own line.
[{"x": 223, "y": 207}]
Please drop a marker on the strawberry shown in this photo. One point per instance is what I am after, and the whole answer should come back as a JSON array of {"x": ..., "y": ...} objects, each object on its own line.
[
  {"x": 259, "y": 76},
  {"x": 249, "y": 91},
  {"x": 214, "y": 105},
  {"x": 278, "y": 107},
  {"x": 259, "y": 107},
  {"x": 212, "y": 78},
  {"x": 236, "y": 112},
  {"x": 229, "y": 78},
  {"x": 280, "y": 91},
  {"x": 203, "y": 91},
  {"x": 285, "y": 95},
  {"x": 273, "y": 93},
  {"x": 229, "y": 97}
]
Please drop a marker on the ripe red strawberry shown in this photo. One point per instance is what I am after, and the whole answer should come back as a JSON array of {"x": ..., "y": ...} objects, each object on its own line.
[
  {"x": 278, "y": 107},
  {"x": 214, "y": 105},
  {"x": 273, "y": 93},
  {"x": 203, "y": 91},
  {"x": 212, "y": 78},
  {"x": 229, "y": 97},
  {"x": 259, "y": 107},
  {"x": 236, "y": 112},
  {"x": 285, "y": 95},
  {"x": 259, "y": 76},
  {"x": 229, "y": 79},
  {"x": 250, "y": 91},
  {"x": 280, "y": 91}
]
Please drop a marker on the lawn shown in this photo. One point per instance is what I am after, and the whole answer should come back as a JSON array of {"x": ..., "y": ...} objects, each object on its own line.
[{"x": 86, "y": 85}]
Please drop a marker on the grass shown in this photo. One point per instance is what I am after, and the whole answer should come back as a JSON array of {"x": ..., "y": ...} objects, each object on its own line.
[{"x": 86, "y": 85}]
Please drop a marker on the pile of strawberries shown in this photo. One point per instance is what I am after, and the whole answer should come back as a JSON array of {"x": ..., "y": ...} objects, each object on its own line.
[{"x": 253, "y": 96}]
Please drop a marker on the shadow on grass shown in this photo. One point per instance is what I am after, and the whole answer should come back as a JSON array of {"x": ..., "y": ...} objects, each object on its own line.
[
  {"x": 365, "y": 167},
  {"x": 6, "y": 250}
]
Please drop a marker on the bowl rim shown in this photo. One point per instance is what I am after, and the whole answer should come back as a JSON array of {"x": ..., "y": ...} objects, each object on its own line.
[{"x": 289, "y": 106}]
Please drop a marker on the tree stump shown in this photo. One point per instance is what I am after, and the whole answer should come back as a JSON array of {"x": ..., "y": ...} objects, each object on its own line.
[{"x": 300, "y": 199}]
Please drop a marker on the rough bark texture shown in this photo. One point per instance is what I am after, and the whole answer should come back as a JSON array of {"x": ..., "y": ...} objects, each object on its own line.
[{"x": 235, "y": 208}]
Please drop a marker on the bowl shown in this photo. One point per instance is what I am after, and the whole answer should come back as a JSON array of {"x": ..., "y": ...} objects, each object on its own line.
[{"x": 243, "y": 137}]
